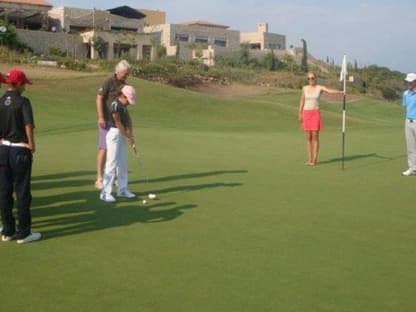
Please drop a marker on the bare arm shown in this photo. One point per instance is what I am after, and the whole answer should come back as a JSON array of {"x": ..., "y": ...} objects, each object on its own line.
[
  {"x": 330, "y": 91},
  {"x": 124, "y": 131},
  {"x": 130, "y": 131},
  {"x": 31, "y": 137},
  {"x": 130, "y": 123},
  {"x": 301, "y": 105},
  {"x": 100, "y": 114}
]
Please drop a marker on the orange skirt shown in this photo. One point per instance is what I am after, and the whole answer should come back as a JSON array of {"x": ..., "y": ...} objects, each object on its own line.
[{"x": 311, "y": 120}]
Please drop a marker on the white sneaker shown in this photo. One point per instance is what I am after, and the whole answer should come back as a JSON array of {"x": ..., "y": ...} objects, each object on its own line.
[
  {"x": 30, "y": 238},
  {"x": 409, "y": 172},
  {"x": 5, "y": 238},
  {"x": 126, "y": 194},
  {"x": 108, "y": 198}
]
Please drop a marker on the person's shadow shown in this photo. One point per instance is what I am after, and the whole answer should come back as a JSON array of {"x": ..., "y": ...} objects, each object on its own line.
[{"x": 69, "y": 213}]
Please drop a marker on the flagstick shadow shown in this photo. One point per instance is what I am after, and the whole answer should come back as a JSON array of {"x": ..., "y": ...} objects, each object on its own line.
[{"x": 379, "y": 158}]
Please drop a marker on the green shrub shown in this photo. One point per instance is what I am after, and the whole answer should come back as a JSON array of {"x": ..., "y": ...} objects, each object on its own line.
[
  {"x": 389, "y": 93},
  {"x": 101, "y": 46},
  {"x": 55, "y": 50},
  {"x": 8, "y": 36},
  {"x": 270, "y": 61}
]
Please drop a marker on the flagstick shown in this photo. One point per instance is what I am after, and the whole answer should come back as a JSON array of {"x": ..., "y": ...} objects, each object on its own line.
[
  {"x": 344, "y": 113},
  {"x": 343, "y": 128}
]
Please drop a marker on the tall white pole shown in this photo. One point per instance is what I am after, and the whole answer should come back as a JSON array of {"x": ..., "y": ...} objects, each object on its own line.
[{"x": 344, "y": 111}]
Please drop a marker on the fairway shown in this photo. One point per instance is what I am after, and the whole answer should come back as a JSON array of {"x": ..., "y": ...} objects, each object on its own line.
[{"x": 240, "y": 223}]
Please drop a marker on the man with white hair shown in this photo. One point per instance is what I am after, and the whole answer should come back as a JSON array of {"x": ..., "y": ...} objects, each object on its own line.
[
  {"x": 409, "y": 102},
  {"x": 106, "y": 95}
]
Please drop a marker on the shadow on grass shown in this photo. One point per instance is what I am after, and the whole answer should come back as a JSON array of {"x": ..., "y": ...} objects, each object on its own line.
[
  {"x": 79, "y": 212},
  {"x": 62, "y": 180},
  {"x": 82, "y": 212},
  {"x": 191, "y": 176},
  {"x": 356, "y": 157},
  {"x": 64, "y": 175}
]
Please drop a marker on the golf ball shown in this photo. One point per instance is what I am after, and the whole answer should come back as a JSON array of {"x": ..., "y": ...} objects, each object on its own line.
[
  {"x": 152, "y": 196},
  {"x": 144, "y": 201}
]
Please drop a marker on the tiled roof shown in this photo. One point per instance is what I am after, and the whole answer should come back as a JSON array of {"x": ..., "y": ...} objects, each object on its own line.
[
  {"x": 204, "y": 23},
  {"x": 28, "y": 2}
]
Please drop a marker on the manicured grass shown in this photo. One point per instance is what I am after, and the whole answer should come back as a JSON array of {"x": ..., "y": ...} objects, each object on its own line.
[{"x": 240, "y": 223}]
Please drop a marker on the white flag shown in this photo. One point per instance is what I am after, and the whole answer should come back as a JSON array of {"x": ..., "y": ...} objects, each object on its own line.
[{"x": 343, "y": 74}]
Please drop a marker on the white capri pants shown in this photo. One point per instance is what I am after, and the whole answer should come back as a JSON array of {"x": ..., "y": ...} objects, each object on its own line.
[{"x": 116, "y": 163}]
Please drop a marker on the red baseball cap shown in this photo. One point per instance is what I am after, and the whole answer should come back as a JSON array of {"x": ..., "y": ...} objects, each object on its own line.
[{"x": 16, "y": 76}]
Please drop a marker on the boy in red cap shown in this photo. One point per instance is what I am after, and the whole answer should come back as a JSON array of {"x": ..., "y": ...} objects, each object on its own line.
[{"x": 17, "y": 145}]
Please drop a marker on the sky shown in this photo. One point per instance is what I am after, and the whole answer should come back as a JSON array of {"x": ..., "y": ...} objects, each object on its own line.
[{"x": 370, "y": 32}]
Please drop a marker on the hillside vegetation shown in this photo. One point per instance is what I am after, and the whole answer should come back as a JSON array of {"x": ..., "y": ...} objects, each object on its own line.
[{"x": 284, "y": 71}]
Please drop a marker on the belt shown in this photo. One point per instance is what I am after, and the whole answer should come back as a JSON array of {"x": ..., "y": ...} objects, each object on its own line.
[{"x": 8, "y": 143}]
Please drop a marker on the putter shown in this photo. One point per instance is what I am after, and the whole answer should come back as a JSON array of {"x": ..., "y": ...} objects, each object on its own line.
[{"x": 142, "y": 167}]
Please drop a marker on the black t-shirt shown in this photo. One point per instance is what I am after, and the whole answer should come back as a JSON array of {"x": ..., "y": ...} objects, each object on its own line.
[
  {"x": 109, "y": 91},
  {"x": 15, "y": 114},
  {"x": 117, "y": 107}
]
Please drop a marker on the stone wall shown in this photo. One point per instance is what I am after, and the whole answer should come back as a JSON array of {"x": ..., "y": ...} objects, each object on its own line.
[
  {"x": 232, "y": 37},
  {"x": 135, "y": 43},
  {"x": 168, "y": 33},
  {"x": 266, "y": 40},
  {"x": 42, "y": 41},
  {"x": 277, "y": 41}
]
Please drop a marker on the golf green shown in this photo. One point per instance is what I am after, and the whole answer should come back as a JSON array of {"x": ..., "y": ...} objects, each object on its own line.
[{"x": 239, "y": 223}]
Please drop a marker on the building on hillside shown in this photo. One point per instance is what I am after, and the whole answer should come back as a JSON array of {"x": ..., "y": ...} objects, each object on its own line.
[
  {"x": 196, "y": 35},
  {"x": 119, "y": 31},
  {"x": 76, "y": 20},
  {"x": 119, "y": 45},
  {"x": 27, "y": 14},
  {"x": 153, "y": 17},
  {"x": 263, "y": 39}
]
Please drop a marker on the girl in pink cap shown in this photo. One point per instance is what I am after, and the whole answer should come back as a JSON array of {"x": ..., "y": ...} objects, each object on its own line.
[
  {"x": 119, "y": 134},
  {"x": 310, "y": 116}
]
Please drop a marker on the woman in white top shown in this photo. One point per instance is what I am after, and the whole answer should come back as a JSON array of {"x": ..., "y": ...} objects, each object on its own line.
[{"x": 310, "y": 116}]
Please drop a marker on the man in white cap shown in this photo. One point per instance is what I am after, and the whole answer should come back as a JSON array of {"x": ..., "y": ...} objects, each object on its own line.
[{"x": 409, "y": 101}]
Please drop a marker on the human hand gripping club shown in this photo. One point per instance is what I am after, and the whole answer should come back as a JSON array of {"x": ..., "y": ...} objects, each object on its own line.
[
  {"x": 130, "y": 140},
  {"x": 142, "y": 167}
]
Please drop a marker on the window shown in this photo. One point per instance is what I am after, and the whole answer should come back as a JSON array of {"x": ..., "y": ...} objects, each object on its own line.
[
  {"x": 220, "y": 42},
  {"x": 122, "y": 50},
  {"x": 274, "y": 46},
  {"x": 255, "y": 46},
  {"x": 147, "y": 52},
  {"x": 182, "y": 38},
  {"x": 201, "y": 40}
]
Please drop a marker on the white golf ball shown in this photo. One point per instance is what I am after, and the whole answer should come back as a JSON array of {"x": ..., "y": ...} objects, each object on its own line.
[
  {"x": 152, "y": 196},
  {"x": 144, "y": 201}
]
